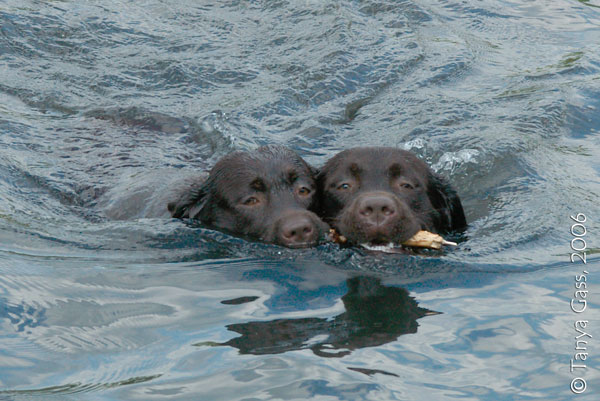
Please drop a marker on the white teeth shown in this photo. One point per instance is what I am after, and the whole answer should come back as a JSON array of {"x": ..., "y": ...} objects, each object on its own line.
[{"x": 379, "y": 248}]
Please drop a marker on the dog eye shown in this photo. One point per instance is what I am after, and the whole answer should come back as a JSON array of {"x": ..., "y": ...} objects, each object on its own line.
[
  {"x": 345, "y": 186},
  {"x": 303, "y": 191},
  {"x": 406, "y": 185},
  {"x": 250, "y": 201}
]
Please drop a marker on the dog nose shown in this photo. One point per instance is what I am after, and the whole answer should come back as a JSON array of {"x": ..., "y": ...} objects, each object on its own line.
[
  {"x": 297, "y": 230},
  {"x": 377, "y": 209}
]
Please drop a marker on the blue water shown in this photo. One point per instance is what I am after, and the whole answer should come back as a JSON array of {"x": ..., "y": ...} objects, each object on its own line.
[{"x": 103, "y": 103}]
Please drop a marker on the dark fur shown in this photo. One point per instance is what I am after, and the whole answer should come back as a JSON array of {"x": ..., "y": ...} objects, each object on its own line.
[
  {"x": 392, "y": 195},
  {"x": 260, "y": 195}
]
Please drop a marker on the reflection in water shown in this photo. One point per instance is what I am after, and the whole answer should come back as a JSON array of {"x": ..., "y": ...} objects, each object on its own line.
[{"x": 375, "y": 315}]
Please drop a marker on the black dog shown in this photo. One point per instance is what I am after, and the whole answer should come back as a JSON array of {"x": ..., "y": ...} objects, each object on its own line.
[
  {"x": 379, "y": 196},
  {"x": 265, "y": 194}
]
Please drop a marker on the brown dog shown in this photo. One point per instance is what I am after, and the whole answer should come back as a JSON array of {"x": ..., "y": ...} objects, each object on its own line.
[
  {"x": 266, "y": 194},
  {"x": 378, "y": 196}
]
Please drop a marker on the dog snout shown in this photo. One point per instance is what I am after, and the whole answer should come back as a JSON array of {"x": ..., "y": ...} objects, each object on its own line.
[
  {"x": 297, "y": 230},
  {"x": 377, "y": 209}
]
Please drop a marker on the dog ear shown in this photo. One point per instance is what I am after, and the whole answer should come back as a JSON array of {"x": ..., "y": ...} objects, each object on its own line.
[
  {"x": 314, "y": 171},
  {"x": 449, "y": 214},
  {"x": 190, "y": 203}
]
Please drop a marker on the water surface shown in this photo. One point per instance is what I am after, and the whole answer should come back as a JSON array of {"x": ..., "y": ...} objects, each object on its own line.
[{"x": 102, "y": 100}]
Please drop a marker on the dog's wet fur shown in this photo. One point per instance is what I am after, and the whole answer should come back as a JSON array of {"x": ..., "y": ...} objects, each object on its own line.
[
  {"x": 265, "y": 195},
  {"x": 379, "y": 195}
]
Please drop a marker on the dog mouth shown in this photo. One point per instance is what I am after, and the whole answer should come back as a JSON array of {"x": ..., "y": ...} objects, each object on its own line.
[
  {"x": 377, "y": 236},
  {"x": 391, "y": 235},
  {"x": 379, "y": 239},
  {"x": 301, "y": 245},
  {"x": 379, "y": 248},
  {"x": 379, "y": 242}
]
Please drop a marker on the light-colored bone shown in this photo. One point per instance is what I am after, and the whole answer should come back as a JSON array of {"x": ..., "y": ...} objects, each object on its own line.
[{"x": 425, "y": 239}]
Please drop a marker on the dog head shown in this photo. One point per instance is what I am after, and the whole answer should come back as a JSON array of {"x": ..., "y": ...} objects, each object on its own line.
[
  {"x": 385, "y": 195},
  {"x": 266, "y": 194}
]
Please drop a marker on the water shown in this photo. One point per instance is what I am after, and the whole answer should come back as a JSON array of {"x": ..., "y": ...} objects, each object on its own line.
[{"x": 103, "y": 103}]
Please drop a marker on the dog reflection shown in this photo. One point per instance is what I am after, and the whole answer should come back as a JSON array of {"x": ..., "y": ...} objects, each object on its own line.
[{"x": 375, "y": 315}]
